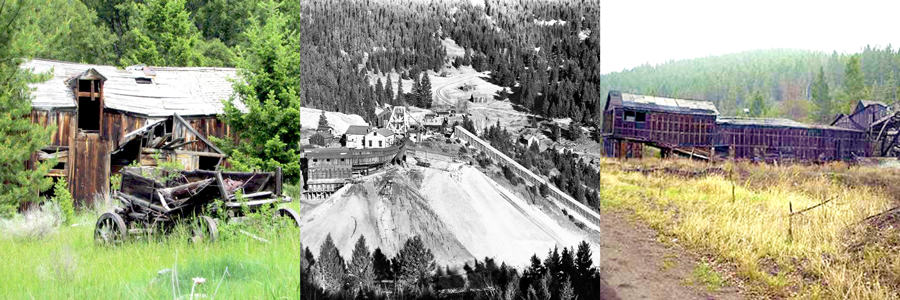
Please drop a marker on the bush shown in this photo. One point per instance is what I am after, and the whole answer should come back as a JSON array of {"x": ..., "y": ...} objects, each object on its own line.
[
  {"x": 63, "y": 198},
  {"x": 34, "y": 223}
]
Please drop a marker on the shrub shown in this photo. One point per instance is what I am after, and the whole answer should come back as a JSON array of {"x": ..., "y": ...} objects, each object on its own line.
[
  {"x": 63, "y": 198},
  {"x": 34, "y": 223}
]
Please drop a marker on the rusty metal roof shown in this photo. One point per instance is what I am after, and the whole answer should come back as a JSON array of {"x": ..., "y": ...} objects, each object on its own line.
[
  {"x": 186, "y": 91},
  {"x": 663, "y": 104}
]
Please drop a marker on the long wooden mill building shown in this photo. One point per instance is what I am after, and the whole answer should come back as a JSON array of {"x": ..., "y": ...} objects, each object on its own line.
[
  {"x": 695, "y": 129},
  {"x": 106, "y": 118}
]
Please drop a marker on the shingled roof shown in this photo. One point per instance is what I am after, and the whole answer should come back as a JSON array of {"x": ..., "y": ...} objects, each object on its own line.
[{"x": 171, "y": 90}]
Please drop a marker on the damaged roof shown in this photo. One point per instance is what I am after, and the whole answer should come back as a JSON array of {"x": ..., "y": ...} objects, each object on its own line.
[
  {"x": 164, "y": 91},
  {"x": 661, "y": 104},
  {"x": 774, "y": 122}
]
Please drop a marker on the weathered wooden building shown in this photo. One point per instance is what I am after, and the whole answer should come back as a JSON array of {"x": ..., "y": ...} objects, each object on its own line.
[
  {"x": 782, "y": 139},
  {"x": 694, "y": 128},
  {"x": 864, "y": 115},
  {"x": 106, "y": 118},
  {"x": 327, "y": 169},
  {"x": 630, "y": 121}
]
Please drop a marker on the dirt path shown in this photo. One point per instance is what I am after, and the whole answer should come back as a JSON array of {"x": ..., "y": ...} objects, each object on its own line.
[{"x": 634, "y": 265}]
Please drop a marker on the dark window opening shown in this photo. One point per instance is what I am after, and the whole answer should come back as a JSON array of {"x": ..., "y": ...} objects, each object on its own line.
[
  {"x": 169, "y": 125},
  {"x": 88, "y": 114},
  {"x": 641, "y": 117},
  {"x": 207, "y": 163},
  {"x": 84, "y": 85},
  {"x": 143, "y": 80},
  {"x": 629, "y": 116}
]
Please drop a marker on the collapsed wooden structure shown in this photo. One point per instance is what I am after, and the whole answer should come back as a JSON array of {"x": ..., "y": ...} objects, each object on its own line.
[
  {"x": 154, "y": 200},
  {"x": 107, "y": 118},
  {"x": 695, "y": 129}
]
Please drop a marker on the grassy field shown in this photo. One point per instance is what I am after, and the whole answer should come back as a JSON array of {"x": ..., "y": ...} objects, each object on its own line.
[
  {"x": 746, "y": 229},
  {"x": 66, "y": 264}
]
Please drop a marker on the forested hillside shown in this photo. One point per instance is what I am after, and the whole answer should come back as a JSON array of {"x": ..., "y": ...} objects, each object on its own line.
[
  {"x": 548, "y": 47},
  {"x": 784, "y": 79}
]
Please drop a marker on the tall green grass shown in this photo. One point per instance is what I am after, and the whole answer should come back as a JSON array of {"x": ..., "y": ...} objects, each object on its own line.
[
  {"x": 750, "y": 231},
  {"x": 68, "y": 265}
]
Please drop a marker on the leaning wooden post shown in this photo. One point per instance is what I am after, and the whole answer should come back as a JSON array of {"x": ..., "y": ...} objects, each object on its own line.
[
  {"x": 790, "y": 222},
  {"x": 731, "y": 178}
]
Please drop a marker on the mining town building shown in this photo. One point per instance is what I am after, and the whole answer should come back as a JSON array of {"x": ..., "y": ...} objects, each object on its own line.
[
  {"x": 694, "y": 128},
  {"x": 106, "y": 118}
]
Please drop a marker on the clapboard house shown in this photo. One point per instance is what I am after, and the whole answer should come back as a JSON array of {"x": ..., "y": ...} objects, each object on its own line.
[
  {"x": 631, "y": 121},
  {"x": 106, "y": 118}
]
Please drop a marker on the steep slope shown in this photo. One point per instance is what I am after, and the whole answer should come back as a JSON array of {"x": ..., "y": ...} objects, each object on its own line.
[{"x": 461, "y": 215}]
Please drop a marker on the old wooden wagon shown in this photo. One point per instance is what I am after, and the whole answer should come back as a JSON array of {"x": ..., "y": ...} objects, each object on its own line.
[{"x": 154, "y": 200}]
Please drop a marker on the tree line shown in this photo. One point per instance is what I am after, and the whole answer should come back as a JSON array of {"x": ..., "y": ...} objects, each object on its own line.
[
  {"x": 802, "y": 85},
  {"x": 412, "y": 273}
]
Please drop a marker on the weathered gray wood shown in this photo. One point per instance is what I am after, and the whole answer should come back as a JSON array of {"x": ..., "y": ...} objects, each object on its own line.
[
  {"x": 221, "y": 182},
  {"x": 251, "y": 203},
  {"x": 278, "y": 175},
  {"x": 254, "y": 195}
]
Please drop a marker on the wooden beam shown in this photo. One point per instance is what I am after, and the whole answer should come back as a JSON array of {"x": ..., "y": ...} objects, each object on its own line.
[{"x": 207, "y": 154}]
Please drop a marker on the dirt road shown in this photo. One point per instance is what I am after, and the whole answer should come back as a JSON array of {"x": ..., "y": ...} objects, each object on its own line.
[{"x": 635, "y": 265}]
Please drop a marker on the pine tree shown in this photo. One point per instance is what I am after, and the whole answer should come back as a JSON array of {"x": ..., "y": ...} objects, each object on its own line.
[
  {"x": 329, "y": 270},
  {"x": 379, "y": 92},
  {"x": 854, "y": 88},
  {"x": 583, "y": 262},
  {"x": 425, "y": 95},
  {"x": 19, "y": 137},
  {"x": 361, "y": 271},
  {"x": 824, "y": 107},
  {"x": 270, "y": 129},
  {"x": 552, "y": 262},
  {"x": 566, "y": 292},
  {"x": 401, "y": 96},
  {"x": 389, "y": 91},
  {"x": 574, "y": 130},
  {"x": 415, "y": 260},
  {"x": 381, "y": 265},
  {"x": 415, "y": 95},
  {"x": 164, "y": 26},
  {"x": 758, "y": 106}
]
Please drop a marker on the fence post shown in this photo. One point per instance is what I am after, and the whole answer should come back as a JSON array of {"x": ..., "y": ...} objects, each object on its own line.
[{"x": 790, "y": 222}]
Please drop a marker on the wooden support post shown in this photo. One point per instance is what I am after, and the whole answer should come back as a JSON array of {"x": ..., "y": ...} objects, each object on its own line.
[{"x": 278, "y": 181}]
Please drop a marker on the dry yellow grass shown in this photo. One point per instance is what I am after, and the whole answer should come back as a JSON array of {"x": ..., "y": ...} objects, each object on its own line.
[{"x": 750, "y": 231}]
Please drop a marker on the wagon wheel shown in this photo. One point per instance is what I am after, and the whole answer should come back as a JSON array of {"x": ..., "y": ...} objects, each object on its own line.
[
  {"x": 110, "y": 229},
  {"x": 288, "y": 215},
  {"x": 204, "y": 229}
]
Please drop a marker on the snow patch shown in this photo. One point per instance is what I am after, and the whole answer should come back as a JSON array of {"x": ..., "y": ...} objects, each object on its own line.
[{"x": 309, "y": 118}]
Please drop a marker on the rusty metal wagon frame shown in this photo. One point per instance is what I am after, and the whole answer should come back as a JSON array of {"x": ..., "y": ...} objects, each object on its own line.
[{"x": 149, "y": 206}]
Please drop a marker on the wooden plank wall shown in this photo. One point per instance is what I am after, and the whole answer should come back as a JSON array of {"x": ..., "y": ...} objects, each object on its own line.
[
  {"x": 88, "y": 167},
  {"x": 118, "y": 125},
  {"x": 64, "y": 122},
  {"x": 208, "y": 126},
  {"x": 676, "y": 129}
]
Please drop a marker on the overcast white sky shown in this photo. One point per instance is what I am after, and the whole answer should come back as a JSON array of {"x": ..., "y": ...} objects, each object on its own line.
[{"x": 633, "y": 32}]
